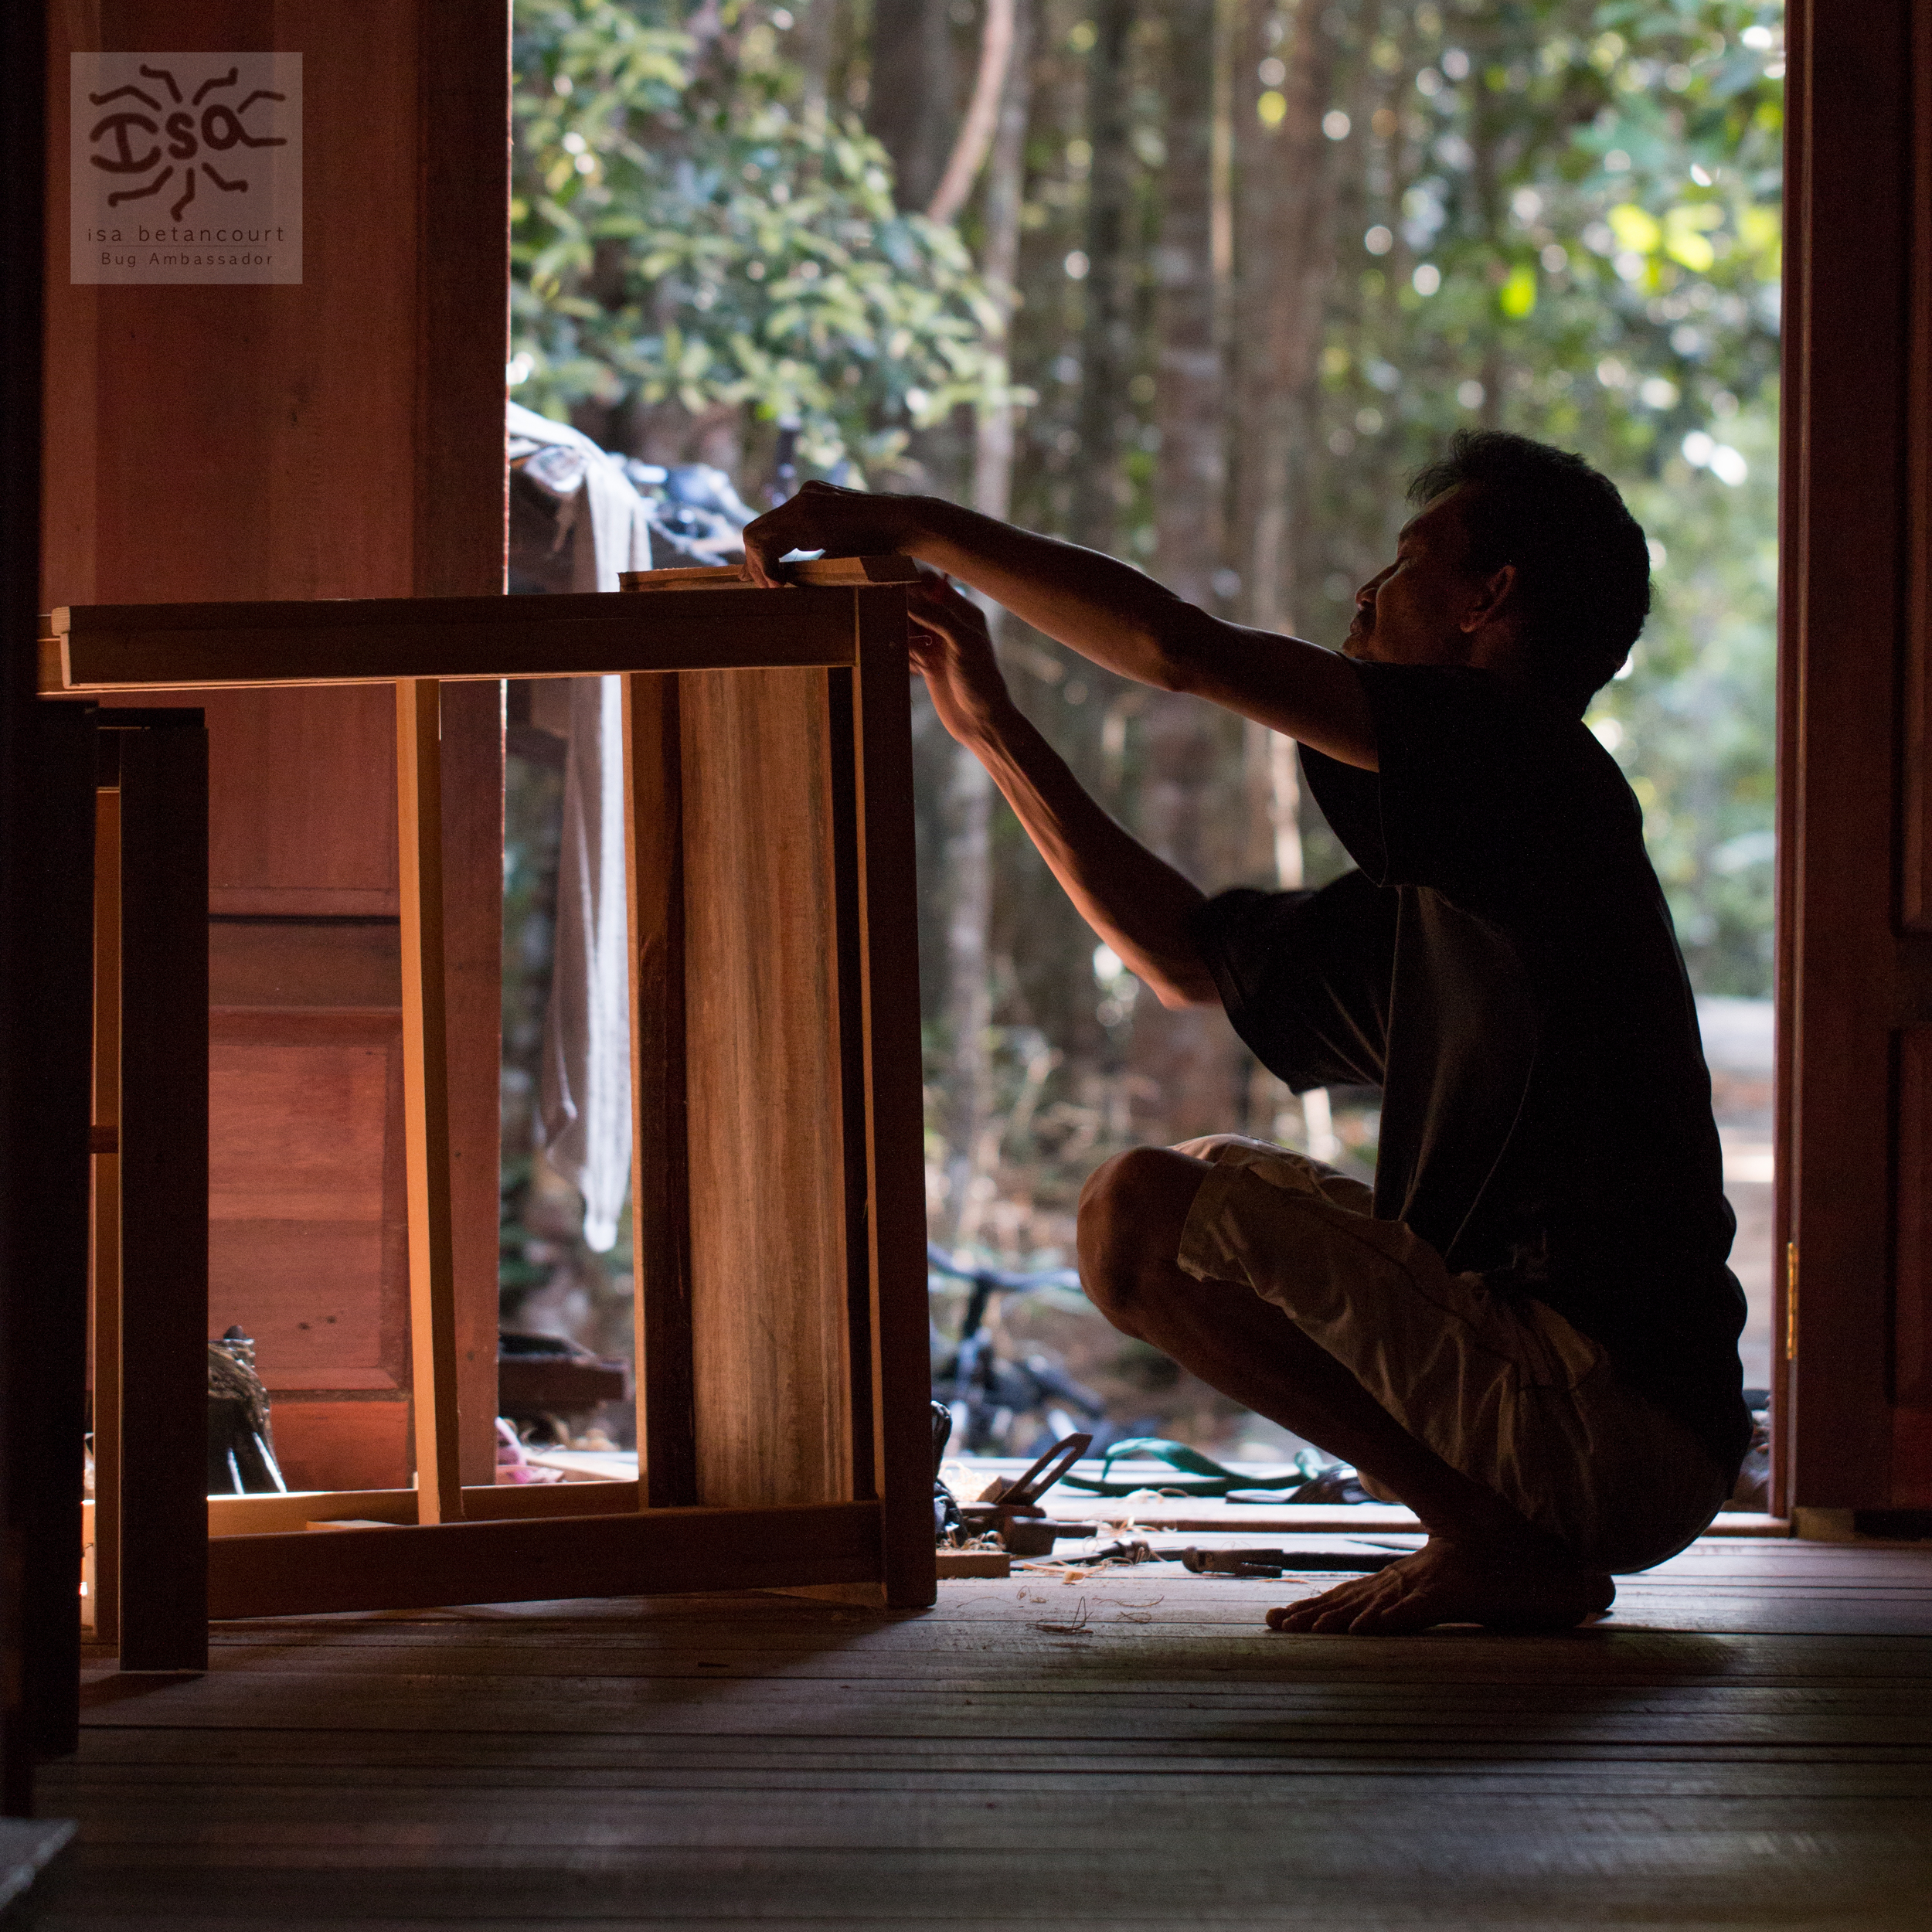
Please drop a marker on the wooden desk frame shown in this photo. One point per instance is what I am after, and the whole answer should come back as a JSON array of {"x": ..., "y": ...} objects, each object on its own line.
[{"x": 768, "y": 743}]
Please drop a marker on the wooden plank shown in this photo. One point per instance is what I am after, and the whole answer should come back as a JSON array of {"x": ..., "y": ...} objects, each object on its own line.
[
  {"x": 260, "y": 1516},
  {"x": 472, "y": 788},
  {"x": 347, "y": 1441},
  {"x": 164, "y": 1191},
  {"x": 289, "y": 774},
  {"x": 459, "y": 505},
  {"x": 501, "y": 1562},
  {"x": 821, "y": 573},
  {"x": 660, "y": 1155},
  {"x": 192, "y": 647},
  {"x": 768, "y": 1270},
  {"x": 855, "y": 1114},
  {"x": 894, "y": 1118},
  {"x": 1853, "y": 979},
  {"x": 104, "y": 1285},
  {"x": 426, "y": 1104}
]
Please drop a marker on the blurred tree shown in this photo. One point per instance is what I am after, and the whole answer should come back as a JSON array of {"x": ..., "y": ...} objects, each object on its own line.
[
  {"x": 912, "y": 104},
  {"x": 692, "y": 247},
  {"x": 1242, "y": 266}
]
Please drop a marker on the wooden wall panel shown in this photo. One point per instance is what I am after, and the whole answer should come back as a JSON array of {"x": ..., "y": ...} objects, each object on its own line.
[
  {"x": 305, "y": 1195},
  {"x": 336, "y": 1444},
  {"x": 340, "y": 438},
  {"x": 768, "y": 1277},
  {"x": 247, "y": 441}
]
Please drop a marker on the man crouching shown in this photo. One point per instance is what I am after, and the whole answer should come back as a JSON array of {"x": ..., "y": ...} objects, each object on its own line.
[{"x": 1526, "y": 1331}]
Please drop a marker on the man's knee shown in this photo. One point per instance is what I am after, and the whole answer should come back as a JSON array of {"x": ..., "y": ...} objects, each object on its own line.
[{"x": 1132, "y": 1211}]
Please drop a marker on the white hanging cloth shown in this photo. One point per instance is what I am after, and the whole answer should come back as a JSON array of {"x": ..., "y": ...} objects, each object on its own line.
[{"x": 585, "y": 1103}]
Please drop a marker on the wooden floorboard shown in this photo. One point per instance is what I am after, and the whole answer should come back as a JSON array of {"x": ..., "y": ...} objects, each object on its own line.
[{"x": 1746, "y": 1742}]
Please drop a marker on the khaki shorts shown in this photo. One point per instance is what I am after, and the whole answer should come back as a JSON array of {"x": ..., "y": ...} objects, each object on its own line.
[{"x": 1500, "y": 1387}]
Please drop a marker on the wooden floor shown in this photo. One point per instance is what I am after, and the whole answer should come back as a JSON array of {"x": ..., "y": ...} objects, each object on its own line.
[{"x": 1746, "y": 1743}]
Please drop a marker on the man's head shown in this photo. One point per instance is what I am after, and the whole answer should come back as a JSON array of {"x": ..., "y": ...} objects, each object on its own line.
[{"x": 1521, "y": 559}]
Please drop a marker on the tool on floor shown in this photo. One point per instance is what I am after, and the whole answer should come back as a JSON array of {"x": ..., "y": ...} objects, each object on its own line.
[
  {"x": 1276, "y": 1563},
  {"x": 1014, "y": 1511}
]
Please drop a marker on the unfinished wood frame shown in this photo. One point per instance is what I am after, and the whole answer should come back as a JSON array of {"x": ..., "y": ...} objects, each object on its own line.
[{"x": 778, "y": 1186}]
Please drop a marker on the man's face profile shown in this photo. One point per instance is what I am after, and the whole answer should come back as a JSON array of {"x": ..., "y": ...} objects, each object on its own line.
[{"x": 1418, "y": 610}]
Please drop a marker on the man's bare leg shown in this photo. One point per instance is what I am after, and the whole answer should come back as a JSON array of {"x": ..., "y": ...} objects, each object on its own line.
[{"x": 1484, "y": 1563}]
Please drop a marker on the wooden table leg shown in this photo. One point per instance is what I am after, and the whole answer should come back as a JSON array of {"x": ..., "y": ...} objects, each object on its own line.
[
  {"x": 660, "y": 1172},
  {"x": 439, "y": 1476},
  {"x": 163, "y": 1194},
  {"x": 888, "y": 900}
]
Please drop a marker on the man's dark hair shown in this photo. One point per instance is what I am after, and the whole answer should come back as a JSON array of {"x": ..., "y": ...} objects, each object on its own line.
[{"x": 1583, "y": 566}]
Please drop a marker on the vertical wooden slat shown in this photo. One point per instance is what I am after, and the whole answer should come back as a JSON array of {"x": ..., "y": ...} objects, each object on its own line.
[
  {"x": 163, "y": 1193},
  {"x": 1790, "y": 518},
  {"x": 768, "y": 1281},
  {"x": 460, "y": 508},
  {"x": 106, "y": 1211},
  {"x": 661, "y": 1175},
  {"x": 439, "y": 1479},
  {"x": 854, "y": 1114},
  {"x": 1852, "y": 980},
  {"x": 460, "y": 505},
  {"x": 887, "y": 912},
  {"x": 472, "y": 791}
]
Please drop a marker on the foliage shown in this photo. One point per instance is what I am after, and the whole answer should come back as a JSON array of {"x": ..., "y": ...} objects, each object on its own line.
[
  {"x": 1586, "y": 247},
  {"x": 1558, "y": 216},
  {"x": 684, "y": 232}
]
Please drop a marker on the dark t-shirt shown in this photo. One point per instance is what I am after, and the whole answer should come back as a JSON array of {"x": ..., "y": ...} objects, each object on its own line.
[{"x": 1503, "y": 967}]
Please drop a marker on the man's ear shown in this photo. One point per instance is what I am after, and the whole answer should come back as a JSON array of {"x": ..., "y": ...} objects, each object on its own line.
[{"x": 1491, "y": 599}]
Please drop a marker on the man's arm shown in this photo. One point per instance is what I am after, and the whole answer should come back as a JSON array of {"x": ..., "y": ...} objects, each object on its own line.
[
  {"x": 1106, "y": 611},
  {"x": 1140, "y": 906}
]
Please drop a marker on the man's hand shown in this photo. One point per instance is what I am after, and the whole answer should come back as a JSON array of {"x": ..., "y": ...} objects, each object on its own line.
[
  {"x": 824, "y": 517},
  {"x": 952, "y": 649}
]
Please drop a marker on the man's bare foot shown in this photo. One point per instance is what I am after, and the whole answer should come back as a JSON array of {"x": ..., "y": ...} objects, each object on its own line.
[{"x": 1448, "y": 1581}]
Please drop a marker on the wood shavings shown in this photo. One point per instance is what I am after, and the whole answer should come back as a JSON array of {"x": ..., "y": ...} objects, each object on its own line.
[{"x": 1076, "y": 1628}]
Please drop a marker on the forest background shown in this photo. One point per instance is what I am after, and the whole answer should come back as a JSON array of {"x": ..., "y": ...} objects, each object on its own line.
[{"x": 1200, "y": 282}]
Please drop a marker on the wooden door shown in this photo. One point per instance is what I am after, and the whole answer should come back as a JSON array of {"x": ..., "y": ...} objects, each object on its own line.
[{"x": 1855, "y": 918}]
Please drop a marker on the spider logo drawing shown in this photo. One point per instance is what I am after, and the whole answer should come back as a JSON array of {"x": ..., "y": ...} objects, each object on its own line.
[{"x": 187, "y": 128}]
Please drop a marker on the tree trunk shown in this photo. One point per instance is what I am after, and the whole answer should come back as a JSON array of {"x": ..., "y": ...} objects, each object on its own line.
[
  {"x": 1192, "y": 470},
  {"x": 913, "y": 105},
  {"x": 999, "y": 263},
  {"x": 978, "y": 125},
  {"x": 1190, "y": 804},
  {"x": 1286, "y": 249},
  {"x": 1285, "y": 259},
  {"x": 1106, "y": 343},
  {"x": 969, "y": 801}
]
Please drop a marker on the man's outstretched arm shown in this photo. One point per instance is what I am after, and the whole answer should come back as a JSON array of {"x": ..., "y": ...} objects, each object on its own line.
[
  {"x": 1107, "y": 611},
  {"x": 1140, "y": 906}
]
